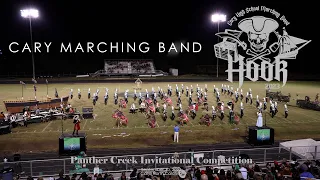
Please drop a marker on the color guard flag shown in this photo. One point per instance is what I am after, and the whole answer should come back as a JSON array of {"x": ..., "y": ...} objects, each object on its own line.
[
  {"x": 35, "y": 88},
  {"x": 34, "y": 81}
]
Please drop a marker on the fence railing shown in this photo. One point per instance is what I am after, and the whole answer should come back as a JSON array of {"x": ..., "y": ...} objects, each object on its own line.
[{"x": 184, "y": 159}]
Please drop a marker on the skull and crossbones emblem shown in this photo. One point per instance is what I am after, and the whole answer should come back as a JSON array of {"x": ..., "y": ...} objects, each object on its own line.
[{"x": 258, "y": 29}]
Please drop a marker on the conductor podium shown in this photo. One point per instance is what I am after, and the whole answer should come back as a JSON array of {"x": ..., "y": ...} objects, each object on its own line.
[
  {"x": 72, "y": 145},
  {"x": 260, "y": 136}
]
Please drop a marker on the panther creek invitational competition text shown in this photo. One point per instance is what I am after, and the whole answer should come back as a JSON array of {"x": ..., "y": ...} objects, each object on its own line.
[
  {"x": 104, "y": 47},
  {"x": 159, "y": 160}
]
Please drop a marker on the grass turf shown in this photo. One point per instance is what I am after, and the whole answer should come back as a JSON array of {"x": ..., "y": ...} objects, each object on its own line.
[{"x": 103, "y": 132}]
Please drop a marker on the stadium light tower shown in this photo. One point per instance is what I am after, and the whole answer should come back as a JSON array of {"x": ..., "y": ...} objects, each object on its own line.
[
  {"x": 217, "y": 18},
  {"x": 31, "y": 14}
]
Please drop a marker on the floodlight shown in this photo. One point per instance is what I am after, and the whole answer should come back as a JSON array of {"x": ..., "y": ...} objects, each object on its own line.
[{"x": 29, "y": 13}]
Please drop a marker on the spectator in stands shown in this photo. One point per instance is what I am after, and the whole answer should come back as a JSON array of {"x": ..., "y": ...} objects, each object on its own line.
[
  {"x": 305, "y": 174},
  {"x": 222, "y": 175},
  {"x": 123, "y": 176},
  {"x": 60, "y": 176},
  {"x": 203, "y": 175},
  {"x": 133, "y": 175},
  {"x": 244, "y": 171},
  {"x": 229, "y": 175},
  {"x": 67, "y": 177}
]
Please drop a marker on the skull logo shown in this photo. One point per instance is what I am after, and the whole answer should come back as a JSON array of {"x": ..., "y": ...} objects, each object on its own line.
[
  {"x": 258, "y": 42},
  {"x": 258, "y": 29}
]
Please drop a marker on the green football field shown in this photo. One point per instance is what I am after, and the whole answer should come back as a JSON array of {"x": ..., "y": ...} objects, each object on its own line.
[{"x": 103, "y": 132}]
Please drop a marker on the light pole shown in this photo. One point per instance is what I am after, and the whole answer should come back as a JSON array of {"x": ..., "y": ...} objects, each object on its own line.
[
  {"x": 31, "y": 14},
  {"x": 217, "y": 18}
]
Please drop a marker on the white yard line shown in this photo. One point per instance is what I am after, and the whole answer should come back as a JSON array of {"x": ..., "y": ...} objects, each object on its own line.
[
  {"x": 47, "y": 126},
  {"x": 85, "y": 124}
]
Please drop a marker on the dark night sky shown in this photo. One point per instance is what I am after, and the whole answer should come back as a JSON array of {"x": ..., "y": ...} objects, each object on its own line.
[{"x": 128, "y": 21}]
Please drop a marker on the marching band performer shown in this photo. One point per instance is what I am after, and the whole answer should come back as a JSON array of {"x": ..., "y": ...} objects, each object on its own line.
[
  {"x": 172, "y": 113},
  {"x": 147, "y": 94},
  {"x": 71, "y": 93},
  {"x": 89, "y": 93},
  {"x": 182, "y": 89},
  {"x": 237, "y": 96},
  {"x": 79, "y": 94},
  {"x": 214, "y": 113},
  {"x": 231, "y": 91},
  {"x": 222, "y": 88},
  {"x": 260, "y": 107},
  {"x": 222, "y": 111},
  {"x": 76, "y": 122},
  {"x": 133, "y": 108},
  {"x": 205, "y": 96},
  {"x": 247, "y": 97},
  {"x": 241, "y": 94},
  {"x": 257, "y": 101},
  {"x": 56, "y": 93},
  {"x": 275, "y": 107},
  {"x": 187, "y": 91},
  {"x": 164, "y": 107},
  {"x": 190, "y": 99},
  {"x": 250, "y": 96},
  {"x": 285, "y": 111},
  {"x": 180, "y": 108},
  {"x": 264, "y": 104},
  {"x": 198, "y": 88},
  {"x": 205, "y": 88},
  {"x": 106, "y": 97},
  {"x": 152, "y": 90},
  {"x": 94, "y": 99},
  {"x": 241, "y": 110},
  {"x": 191, "y": 89},
  {"x": 126, "y": 96},
  {"x": 272, "y": 109},
  {"x": 214, "y": 89},
  {"x": 177, "y": 89},
  {"x": 170, "y": 91},
  {"x": 218, "y": 96},
  {"x": 259, "y": 123}
]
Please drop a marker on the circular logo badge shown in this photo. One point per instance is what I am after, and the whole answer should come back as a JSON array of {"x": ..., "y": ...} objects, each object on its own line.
[{"x": 182, "y": 173}]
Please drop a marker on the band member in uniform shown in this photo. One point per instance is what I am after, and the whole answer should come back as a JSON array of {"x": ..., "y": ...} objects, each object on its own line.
[
  {"x": 205, "y": 88},
  {"x": 214, "y": 113},
  {"x": 285, "y": 111},
  {"x": 247, "y": 97},
  {"x": 173, "y": 116},
  {"x": 250, "y": 96},
  {"x": 126, "y": 96},
  {"x": 241, "y": 110},
  {"x": 71, "y": 93},
  {"x": 76, "y": 122},
  {"x": 231, "y": 91},
  {"x": 182, "y": 89},
  {"x": 133, "y": 108},
  {"x": 106, "y": 97},
  {"x": 214, "y": 89},
  {"x": 187, "y": 91},
  {"x": 241, "y": 94},
  {"x": 94, "y": 99},
  {"x": 222, "y": 111},
  {"x": 79, "y": 94},
  {"x": 89, "y": 94},
  {"x": 257, "y": 101},
  {"x": 272, "y": 110},
  {"x": 191, "y": 89},
  {"x": 177, "y": 89},
  {"x": 25, "y": 118},
  {"x": 218, "y": 96},
  {"x": 237, "y": 96},
  {"x": 56, "y": 93},
  {"x": 275, "y": 107},
  {"x": 222, "y": 88},
  {"x": 264, "y": 104},
  {"x": 190, "y": 99}
]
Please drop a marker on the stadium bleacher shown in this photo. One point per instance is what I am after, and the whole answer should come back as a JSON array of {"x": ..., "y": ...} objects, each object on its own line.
[{"x": 128, "y": 67}]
